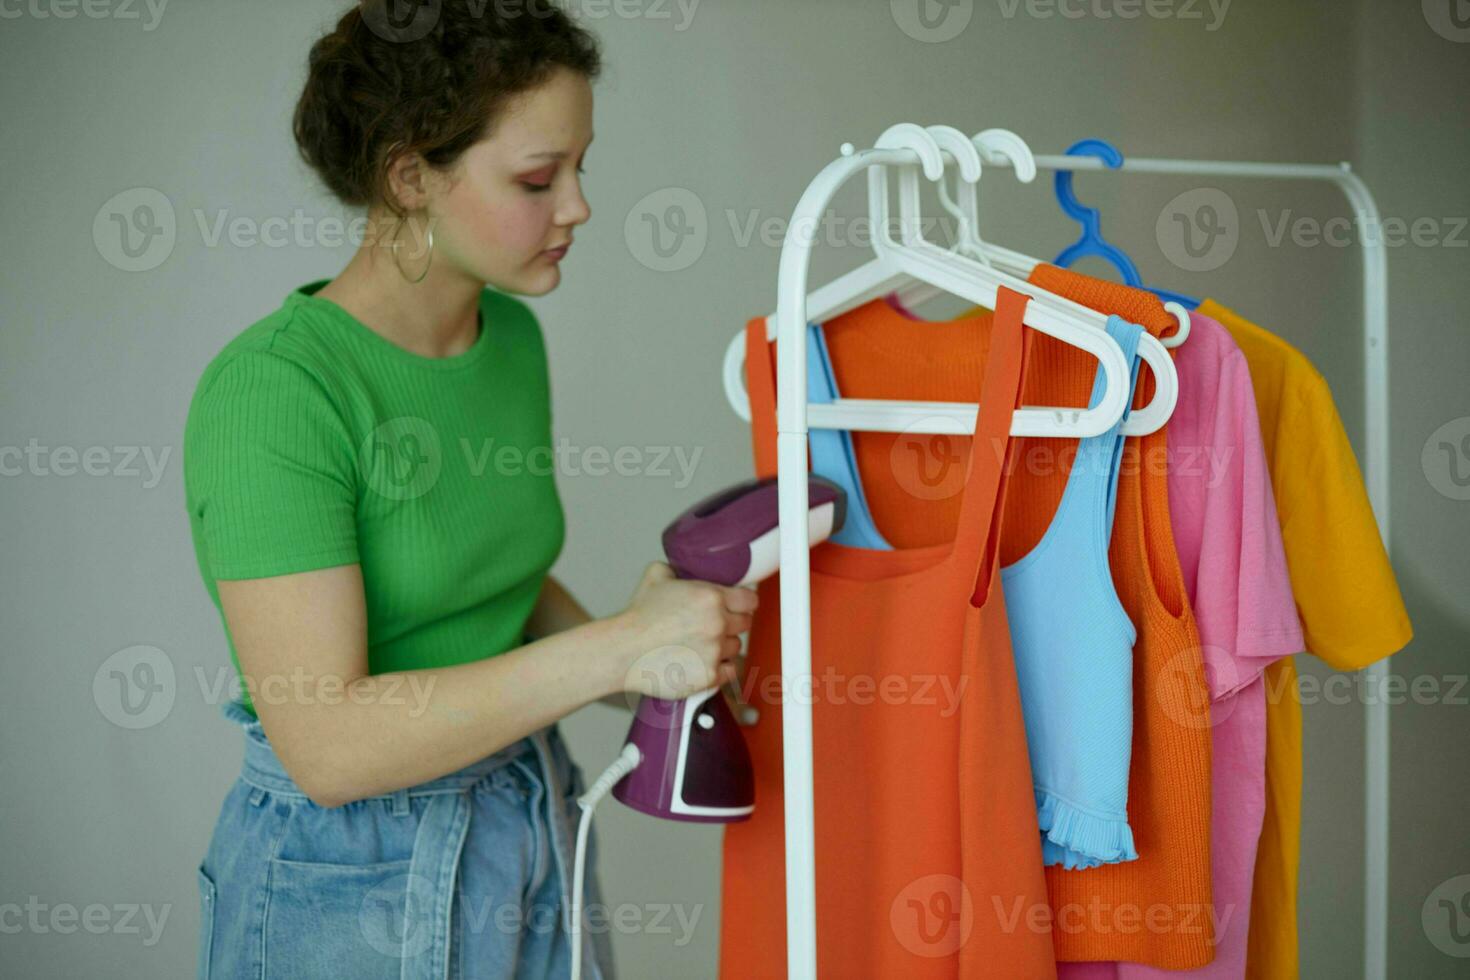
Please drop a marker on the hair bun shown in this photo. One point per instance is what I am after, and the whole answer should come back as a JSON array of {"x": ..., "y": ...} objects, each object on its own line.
[{"x": 429, "y": 78}]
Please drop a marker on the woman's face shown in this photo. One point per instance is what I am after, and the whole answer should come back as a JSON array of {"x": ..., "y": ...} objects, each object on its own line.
[{"x": 516, "y": 196}]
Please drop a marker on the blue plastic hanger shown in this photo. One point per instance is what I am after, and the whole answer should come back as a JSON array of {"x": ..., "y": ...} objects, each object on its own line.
[{"x": 1092, "y": 241}]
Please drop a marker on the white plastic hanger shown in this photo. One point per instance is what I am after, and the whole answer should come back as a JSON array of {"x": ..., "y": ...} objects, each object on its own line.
[
  {"x": 964, "y": 151},
  {"x": 898, "y": 263},
  {"x": 995, "y": 144},
  {"x": 1002, "y": 142}
]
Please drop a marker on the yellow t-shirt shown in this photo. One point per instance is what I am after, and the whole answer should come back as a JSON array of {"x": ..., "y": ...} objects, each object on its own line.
[{"x": 1351, "y": 611}]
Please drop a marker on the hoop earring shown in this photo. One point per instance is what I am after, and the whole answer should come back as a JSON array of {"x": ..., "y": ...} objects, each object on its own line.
[{"x": 399, "y": 264}]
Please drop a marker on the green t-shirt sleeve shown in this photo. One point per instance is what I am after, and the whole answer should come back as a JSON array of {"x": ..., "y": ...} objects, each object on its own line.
[{"x": 270, "y": 470}]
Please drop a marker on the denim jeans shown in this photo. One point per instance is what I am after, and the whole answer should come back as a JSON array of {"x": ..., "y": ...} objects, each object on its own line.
[{"x": 464, "y": 876}]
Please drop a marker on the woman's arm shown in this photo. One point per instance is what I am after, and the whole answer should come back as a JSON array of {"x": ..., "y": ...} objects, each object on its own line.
[
  {"x": 558, "y": 610},
  {"x": 345, "y": 735}
]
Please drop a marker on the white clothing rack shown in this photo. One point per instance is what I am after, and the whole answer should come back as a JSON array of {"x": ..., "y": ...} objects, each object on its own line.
[{"x": 791, "y": 404}]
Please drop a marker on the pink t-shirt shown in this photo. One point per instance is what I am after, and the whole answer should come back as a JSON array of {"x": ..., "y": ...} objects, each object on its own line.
[{"x": 1226, "y": 532}]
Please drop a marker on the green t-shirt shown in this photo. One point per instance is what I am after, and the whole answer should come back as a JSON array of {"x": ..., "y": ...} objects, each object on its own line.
[{"x": 312, "y": 441}]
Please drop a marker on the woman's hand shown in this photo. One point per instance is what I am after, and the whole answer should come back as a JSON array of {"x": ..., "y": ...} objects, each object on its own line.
[{"x": 682, "y": 635}]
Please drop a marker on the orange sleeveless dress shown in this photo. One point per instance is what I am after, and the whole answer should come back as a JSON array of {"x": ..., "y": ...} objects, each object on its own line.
[
  {"x": 928, "y": 861},
  {"x": 1155, "y": 909}
]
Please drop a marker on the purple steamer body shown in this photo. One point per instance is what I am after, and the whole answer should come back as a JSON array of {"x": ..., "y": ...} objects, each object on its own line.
[{"x": 696, "y": 766}]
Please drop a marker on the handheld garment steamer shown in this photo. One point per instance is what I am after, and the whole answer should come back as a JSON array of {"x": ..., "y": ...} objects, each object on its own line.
[{"x": 686, "y": 759}]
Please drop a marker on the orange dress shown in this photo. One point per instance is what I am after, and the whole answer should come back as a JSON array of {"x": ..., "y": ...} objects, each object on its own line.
[
  {"x": 1155, "y": 909},
  {"x": 928, "y": 861}
]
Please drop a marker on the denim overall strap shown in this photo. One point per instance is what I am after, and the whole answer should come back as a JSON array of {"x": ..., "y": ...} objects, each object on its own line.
[
  {"x": 432, "y": 867},
  {"x": 562, "y": 843}
]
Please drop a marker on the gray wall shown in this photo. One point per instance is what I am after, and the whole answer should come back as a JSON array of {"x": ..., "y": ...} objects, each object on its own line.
[
  {"x": 1413, "y": 144},
  {"x": 740, "y": 104}
]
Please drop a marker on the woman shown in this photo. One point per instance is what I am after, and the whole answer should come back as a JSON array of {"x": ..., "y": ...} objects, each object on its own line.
[{"x": 407, "y": 806}]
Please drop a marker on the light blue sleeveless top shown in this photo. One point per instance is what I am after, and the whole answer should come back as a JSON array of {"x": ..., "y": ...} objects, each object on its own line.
[
  {"x": 1073, "y": 644},
  {"x": 832, "y": 452},
  {"x": 1071, "y": 638}
]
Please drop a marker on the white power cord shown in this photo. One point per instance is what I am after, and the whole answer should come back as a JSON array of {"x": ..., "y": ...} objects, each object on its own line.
[{"x": 625, "y": 763}]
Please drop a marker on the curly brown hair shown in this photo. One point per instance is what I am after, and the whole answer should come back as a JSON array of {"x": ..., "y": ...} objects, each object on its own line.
[{"x": 429, "y": 77}]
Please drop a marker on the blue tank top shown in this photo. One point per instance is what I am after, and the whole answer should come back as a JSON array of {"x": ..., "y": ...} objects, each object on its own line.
[
  {"x": 832, "y": 452},
  {"x": 1073, "y": 644},
  {"x": 1074, "y": 657}
]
